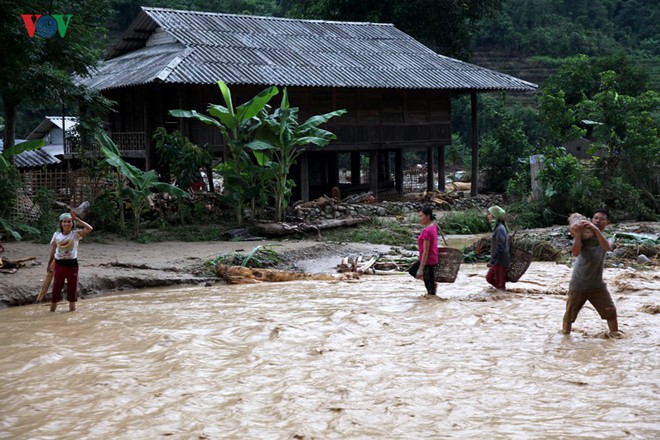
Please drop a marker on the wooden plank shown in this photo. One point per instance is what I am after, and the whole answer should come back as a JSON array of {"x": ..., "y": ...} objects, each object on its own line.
[{"x": 45, "y": 286}]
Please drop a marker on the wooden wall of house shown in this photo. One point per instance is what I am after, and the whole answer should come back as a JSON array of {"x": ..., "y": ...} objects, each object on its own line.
[
  {"x": 376, "y": 118},
  {"x": 383, "y": 121}
]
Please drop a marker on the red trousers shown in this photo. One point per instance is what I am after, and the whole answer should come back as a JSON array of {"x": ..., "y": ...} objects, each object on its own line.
[
  {"x": 70, "y": 274},
  {"x": 496, "y": 276}
]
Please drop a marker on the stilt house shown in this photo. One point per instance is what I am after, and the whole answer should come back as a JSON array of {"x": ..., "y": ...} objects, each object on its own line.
[{"x": 396, "y": 90}]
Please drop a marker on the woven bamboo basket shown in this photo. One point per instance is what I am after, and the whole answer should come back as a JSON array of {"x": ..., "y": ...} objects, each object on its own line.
[
  {"x": 449, "y": 261},
  {"x": 520, "y": 261}
]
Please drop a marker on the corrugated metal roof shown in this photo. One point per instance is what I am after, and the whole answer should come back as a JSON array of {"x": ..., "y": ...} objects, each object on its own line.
[
  {"x": 31, "y": 159},
  {"x": 241, "y": 49},
  {"x": 35, "y": 158},
  {"x": 44, "y": 126}
]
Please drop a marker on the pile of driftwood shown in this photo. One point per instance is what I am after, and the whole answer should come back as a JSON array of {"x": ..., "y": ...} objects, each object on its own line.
[
  {"x": 336, "y": 199},
  {"x": 381, "y": 265},
  {"x": 437, "y": 197},
  {"x": 11, "y": 266}
]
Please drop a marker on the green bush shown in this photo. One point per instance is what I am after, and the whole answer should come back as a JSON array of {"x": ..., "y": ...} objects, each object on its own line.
[
  {"x": 105, "y": 214},
  {"x": 534, "y": 213},
  {"x": 380, "y": 231},
  {"x": 626, "y": 198},
  {"x": 471, "y": 221},
  {"x": 568, "y": 185}
]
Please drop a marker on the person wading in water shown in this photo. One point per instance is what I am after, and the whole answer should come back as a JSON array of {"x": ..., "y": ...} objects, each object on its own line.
[
  {"x": 427, "y": 243},
  {"x": 587, "y": 278},
  {"x": 64, "y": 259}
]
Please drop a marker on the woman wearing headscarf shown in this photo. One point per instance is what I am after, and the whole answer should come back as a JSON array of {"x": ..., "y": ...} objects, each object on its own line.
[
  {"x": 63, "y": 259},
  {"x": 499, "y": 249}
]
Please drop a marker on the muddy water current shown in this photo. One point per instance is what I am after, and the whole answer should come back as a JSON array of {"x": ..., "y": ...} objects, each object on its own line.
[{"x": 367, "y": 359}]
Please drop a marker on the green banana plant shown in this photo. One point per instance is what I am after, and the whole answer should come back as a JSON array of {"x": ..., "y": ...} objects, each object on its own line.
[
  {"x": 284, "y": 140},
  {"x": 142, "y": 183},
  {"x": 237, "y": 126}
]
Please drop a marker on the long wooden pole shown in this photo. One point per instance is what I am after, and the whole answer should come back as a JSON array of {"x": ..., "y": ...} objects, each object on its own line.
[{"x": 45, "y": 286}]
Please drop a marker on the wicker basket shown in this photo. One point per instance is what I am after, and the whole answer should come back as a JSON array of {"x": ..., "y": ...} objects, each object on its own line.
[
  {"x": 520, "y": 261},
  {"x": 449, "y": 261}
]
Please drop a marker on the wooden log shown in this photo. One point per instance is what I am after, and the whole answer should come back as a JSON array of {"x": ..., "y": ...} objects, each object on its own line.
[
  {"x": 272, "y": 228},
  {"x": 389, "y": 272},
  {"x": 336, "y": 223},
  {"x": 45, "y": 286},
  {"x": 8, "y": 264},
  {"x": 366, "y": 266},
  {"x": 283, "y": 228},
  {"x": 251, "y": 275}
]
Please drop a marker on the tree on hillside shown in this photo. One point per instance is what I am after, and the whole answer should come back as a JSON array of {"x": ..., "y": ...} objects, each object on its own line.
[
  {"x": 35, "y": 70},
  {"x": 579, "y": 78},
  {"x": 626, "y": 130},
  {"x": 563, "y": 28},
  {"x": 503, "y": 152},
  {"x": 446, "y": 26}
]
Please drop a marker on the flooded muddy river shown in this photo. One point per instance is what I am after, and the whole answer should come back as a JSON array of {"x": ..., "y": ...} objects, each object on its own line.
[{"x": 373, "y": 358}]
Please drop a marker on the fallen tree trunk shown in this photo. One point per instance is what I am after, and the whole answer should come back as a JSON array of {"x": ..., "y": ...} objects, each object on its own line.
[
  {"x": 251, "y": 275},
  {"x": 272, "y": 228},
  {"x": 15, "y": 264}
]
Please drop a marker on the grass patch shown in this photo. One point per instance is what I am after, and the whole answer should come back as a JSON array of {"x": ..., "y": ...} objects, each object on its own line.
[
  {"x": 380, "y": 231},
  {"x": 260, "y": 256},
  {"x": 471, "y": 221}
]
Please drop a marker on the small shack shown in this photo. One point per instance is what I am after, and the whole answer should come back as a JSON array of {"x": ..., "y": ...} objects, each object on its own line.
[{"x": 54, "y": 130}]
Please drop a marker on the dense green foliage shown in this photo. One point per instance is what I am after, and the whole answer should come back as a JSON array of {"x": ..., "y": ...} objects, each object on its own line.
[
  {"x": 446, "y": 26},
  {"x": 263, "y": 146},
  {"x": 37, "y": 72},
  {"x": 623, "y": 122},
  {"x": 471, "y": 221},
  {"x": 282, "y": 139},
  {"x": 181, "y": 158},
  {"x": 565, "y": 27},
  {"x": 238, "y": 125}
]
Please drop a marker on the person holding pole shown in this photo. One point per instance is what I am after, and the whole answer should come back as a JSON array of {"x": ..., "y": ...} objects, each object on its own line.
[{"x": 63, "y": 261}]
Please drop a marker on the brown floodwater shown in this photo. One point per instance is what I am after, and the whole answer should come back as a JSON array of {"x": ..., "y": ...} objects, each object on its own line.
[{"x": 367, "y": 359}]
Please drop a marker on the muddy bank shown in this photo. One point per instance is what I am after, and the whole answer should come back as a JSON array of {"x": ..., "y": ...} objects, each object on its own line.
[{"x": 121, "y": 265}]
